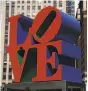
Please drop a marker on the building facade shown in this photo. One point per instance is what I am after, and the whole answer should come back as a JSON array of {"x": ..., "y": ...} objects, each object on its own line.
[
  {"x": 28, "y": 8},
  {"x": 2, "y": 33},
  {"x": 82, "y": 42},
  {"x": 0, "y": 43},
  {"x": 70, "y": 7}
]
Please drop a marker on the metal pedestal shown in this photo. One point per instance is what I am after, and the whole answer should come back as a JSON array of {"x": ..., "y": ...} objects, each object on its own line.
[{"x": 46, "y": 86}]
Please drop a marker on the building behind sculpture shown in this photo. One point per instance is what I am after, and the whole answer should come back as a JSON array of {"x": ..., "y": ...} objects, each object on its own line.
[
  {"x": 0, "y": 42},
  {"x": 81, "y": 15}
]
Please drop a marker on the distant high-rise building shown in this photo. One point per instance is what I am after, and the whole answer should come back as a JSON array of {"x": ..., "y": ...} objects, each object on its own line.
[
  {"x": 2, "y": 38},
  {"x": 28, "y": 8},
  {"x": 70, "y": 7},
  {"x": 81, "y": 16},
  {"x": 0, "y": 43}
]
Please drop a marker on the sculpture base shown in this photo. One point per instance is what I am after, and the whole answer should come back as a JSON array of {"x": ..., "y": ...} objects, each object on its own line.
[{"x": 46, "y": 86}]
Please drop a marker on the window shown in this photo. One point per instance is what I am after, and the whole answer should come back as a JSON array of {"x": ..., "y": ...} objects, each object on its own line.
[
  {"x": 33, "y": 7},
  {"x": 44, "y": 1},
  {"x": 10, "y": 65},
  {"x": 6, "y": 21},
  {"x": 73, "y": 2},
  {"x": 72, "y": 7},
  {"x": 60, "y": 3},
  {"x": 12, "y": 13},
  {"x": 12, "y": 8},
  {"x": 5, "y": 64},
  {"x": 4, "y": 76},
  {"x": 28, "y": 7},
  {"x": 10, "y": 76},
  {"x": 33, "y": 16},
  {"x": 49, "y": 1},
  {"x": 28, "y": 1},
  {"x": 7, "y": 8},
  {"x": 73, "y": 10},
  {"x": 22, "y": 1},
  {"x": 68, "y": 3},
  {"x": 33, "y": 2},
  {"x": 6, "y": 36},
  {"x": 5, "y": 51},
  {"x": 6, "y": 41},
  {"x": 68, "y": 11},
  {"x": 18, "y": 7},
  {"x": 3, "y": 84},
  {"x": 7, "y": 13},
  {"x": 10, "y": 69},
  {"x": 22, "y": 7},
  {"x": 22, "y": 13},
  {"x": 7, "y": 3},
  {"x": 5, "y": 56},
  {"x": 28, "y": 15},
  {"x": 39, "y": 7},
  {"x": 13, "y": 4},
  {"x": 4, "y": 69},
  {"x": 18, "y": 1},
  {"x": 55, "y": 3}
]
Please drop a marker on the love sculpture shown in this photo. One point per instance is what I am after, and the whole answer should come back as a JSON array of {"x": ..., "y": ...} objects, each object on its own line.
[{"x": 44, "y": 49}]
